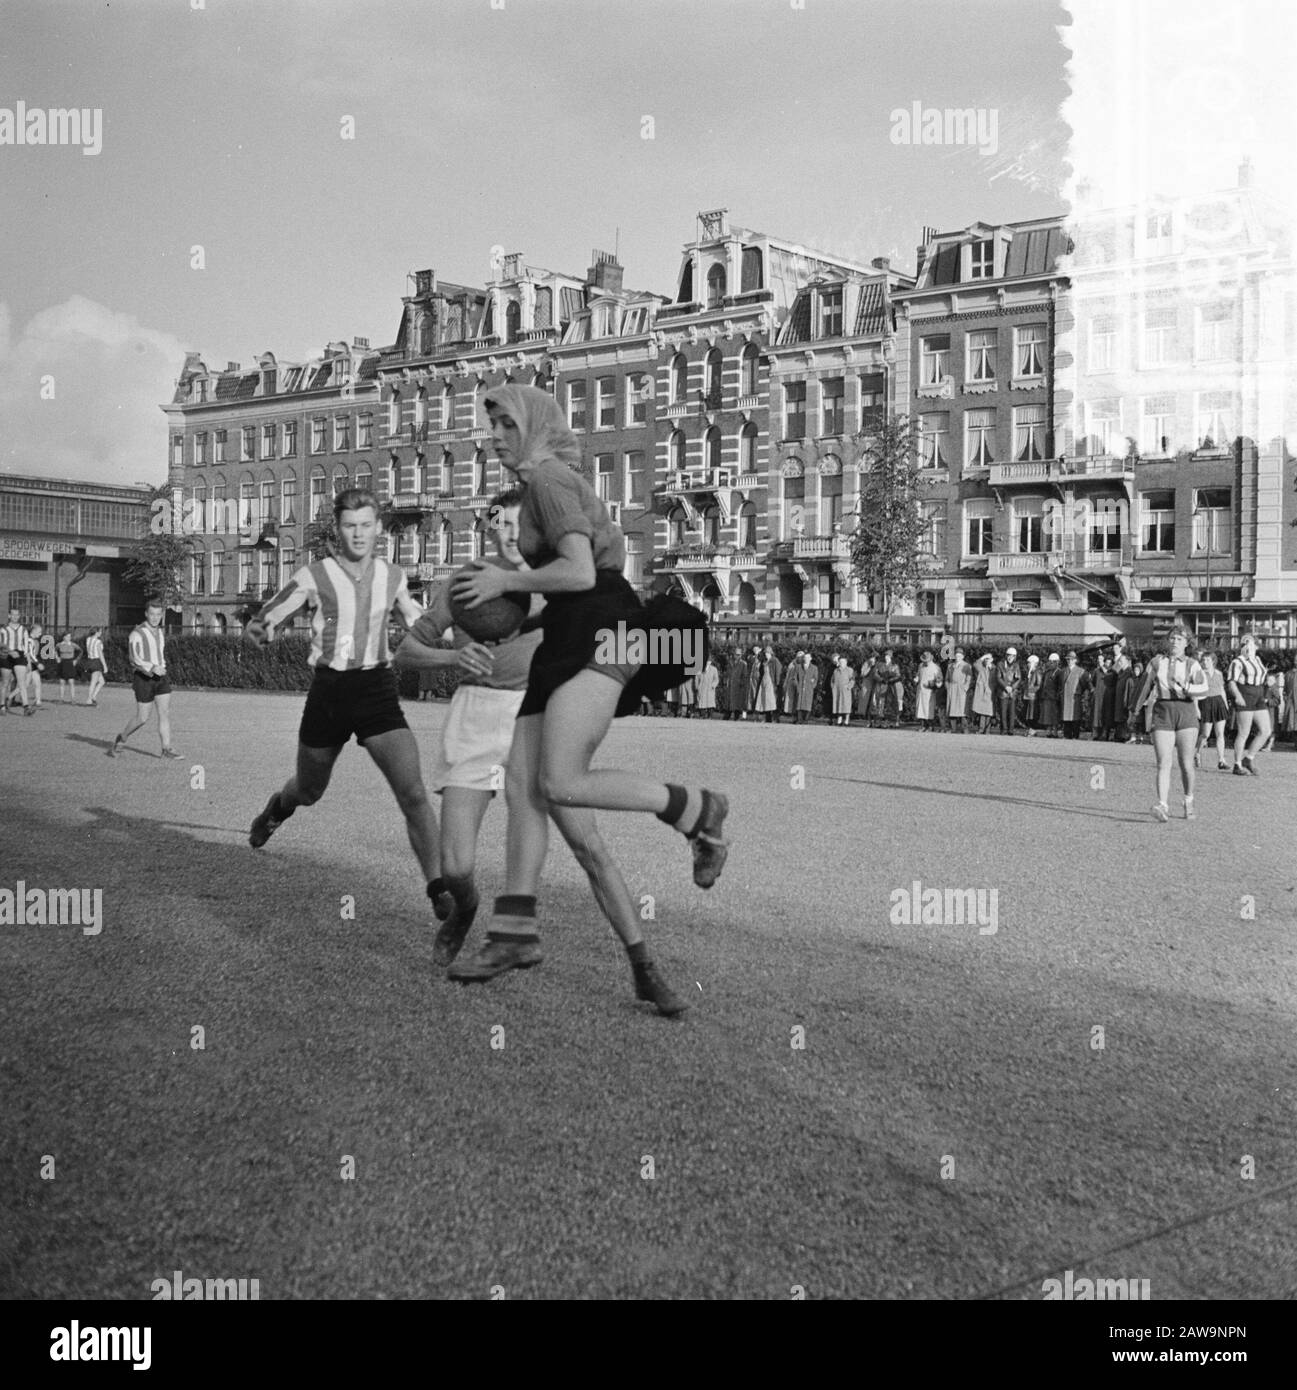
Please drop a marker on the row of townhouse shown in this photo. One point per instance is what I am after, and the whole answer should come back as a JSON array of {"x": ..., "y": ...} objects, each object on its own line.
[{"x": 1103, "y": 409}]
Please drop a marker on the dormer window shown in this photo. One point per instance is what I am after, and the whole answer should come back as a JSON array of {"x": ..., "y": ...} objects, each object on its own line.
[
  {"x": 715, "y": 286},
  {"x": 831, "y": 313},
  {"x": 981, "y": 260}
]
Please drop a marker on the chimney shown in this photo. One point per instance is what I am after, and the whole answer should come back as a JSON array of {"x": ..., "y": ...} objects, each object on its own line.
[
  {"x": 1245, "y": 172},
  {"x": 605, "y": 273},
  {"x": 425, "y": 281},
  {"x": 233, "y": 367},
  {"x": 362, "y": 343},
  {"x": 881, "y": 263}
]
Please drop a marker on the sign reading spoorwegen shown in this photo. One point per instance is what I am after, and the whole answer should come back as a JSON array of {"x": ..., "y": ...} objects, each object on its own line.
[{"x": 12, "y": 548}]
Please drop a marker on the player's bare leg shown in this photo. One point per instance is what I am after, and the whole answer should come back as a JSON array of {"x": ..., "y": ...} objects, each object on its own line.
[
  {"x": 397, "y": 755},
  {"x": 462, "y": 809},
  {"x": 307, "y": 785}
]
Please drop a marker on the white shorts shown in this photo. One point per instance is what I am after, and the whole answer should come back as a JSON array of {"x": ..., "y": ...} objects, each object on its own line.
[{"x": 475, "y": 742}]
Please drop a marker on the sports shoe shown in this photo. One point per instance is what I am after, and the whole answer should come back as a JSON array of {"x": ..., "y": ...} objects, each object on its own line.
[
  {"x": 266, "y": 823},
  {"x": 1189, "y": 812},
  {"x": 653, "y": 989},
  {"x": 1222, "y": 767},
  {"x": 117, "y": 744},
  {"x": 494, "y": 959},
  {"x": 710, "y": 851},
  {"x": 1160, "y": 812},
  {"x": 451, "y": 933},
  {"x": 170, "y": 753},
  {"x": 1250, "y": 767},
  {"x": 27, "y": 709},
  {"x": 1239, "y": 771}
]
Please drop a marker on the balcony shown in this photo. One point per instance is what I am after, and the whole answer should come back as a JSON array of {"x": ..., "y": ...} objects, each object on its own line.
[
  {"x": 685, "y": 482},
  {"x": 478, "y": 499},
  {"x": 1071, "y": 559},
  {"x": 1040, "y": 471},
  {"x": 1102, "y": 466},
  {"x": 821, "y": 548},
  {"x": 428, "y": 570},
  {"x": 407, "y": 501},
  {"x": 1015, "y": 565}
]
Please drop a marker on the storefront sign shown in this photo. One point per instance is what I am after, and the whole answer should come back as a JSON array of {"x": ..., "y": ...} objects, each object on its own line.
[
  {"x": 15, "y": 549},
  {"x": 801, "y": 615}
]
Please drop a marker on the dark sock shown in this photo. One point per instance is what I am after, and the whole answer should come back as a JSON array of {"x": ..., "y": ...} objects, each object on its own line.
[
  {"x": 281, "y": 811},
  {"x": 638, "y": 954},
  {"x": 515, "y": 905},
  {"x": 702, "y": 814},
  {"x": 436, "y": 887},
  {"x": 464, "y": 891},
  {"x": 677, "y": 797}
]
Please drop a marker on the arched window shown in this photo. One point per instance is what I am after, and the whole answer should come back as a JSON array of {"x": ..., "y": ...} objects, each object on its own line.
[
  {"x": 396, "y": 540},
  {"x": 715, "y": 286},
  {"x": 512, "y": 319},
  {"x": 288, "y": 499},
  {"x": 712, "y": 381},
  {"x": 287, "y": 562},
  {"x": 677, "y": 525},
  {"x": 364, "y": 476},
  {"x": 676, "y": 451},
  {"x": 712, "y": 448},
  {"x": 394, "y": 412},
  {"x": 445, "y": 545},
  {"x": 544, "y": 307},
  {"x": 341, "y": 479},
  {"x": 425, "y": 336},
  {"x": 421, "y": 407},
  {"x": 748, "y": 526},
  {"x": 448, "y": 407},
  {"x": 479, "y": 540},
  {"x": 747, "y": 598},
  {"x": 751, "y": 272},
  {"x": 393, "y": 478},
  {"x": 247, "y": 501},
  {"x": 679, "y": 379},
  {"x": 200, "y": 506},
  {"x": 217, "y": 561},
  {"x": 479, "y": 473},
  {"x": 266, "y": 508},
  {"x": 711, "y": 519},
  {"x": 751, "y": 371},
  {"x": 481, "y": 420},
  {"x": 748, "y": 449},
  {"x": 447, "y": 471}
]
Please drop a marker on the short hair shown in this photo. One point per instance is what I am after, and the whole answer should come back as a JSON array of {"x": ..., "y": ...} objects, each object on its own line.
[
  {"x": 508, "y": 497},
  {"x": 154, "y": 601},
  {"x": 352, "y": 499}
]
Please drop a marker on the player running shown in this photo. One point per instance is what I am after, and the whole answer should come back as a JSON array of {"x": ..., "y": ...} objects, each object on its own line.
[
  {"x": 149, "y": 676},
  {"x": 474, "y": 751},
  {"x": 351, "y": 593},
  {"x": 14, "y": 639}
]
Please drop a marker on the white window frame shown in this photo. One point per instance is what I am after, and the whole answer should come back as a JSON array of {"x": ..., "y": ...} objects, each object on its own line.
[
  {"x": 979, "y": 438},
  {"x": 1029, "y": 435},
  {"x": 934, "y": 363},
  {"x": 605, "y": 399},
  {"x": 980, "y": 358},
  {"x": 936, "y": 456},
  {"x": 1029, "y": 352},
  {"x": 981, "y": 259},
  {"x": 981, "y": 513},
  {"x": 576, "y": 395}
]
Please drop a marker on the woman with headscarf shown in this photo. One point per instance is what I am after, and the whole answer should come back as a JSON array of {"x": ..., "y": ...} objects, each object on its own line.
[
  {"x": 983, "y": 699},
  {"x": 587, "y": 671}
]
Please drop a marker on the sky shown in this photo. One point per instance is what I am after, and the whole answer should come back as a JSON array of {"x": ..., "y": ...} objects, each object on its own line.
[{"x": 520, "y": 124}]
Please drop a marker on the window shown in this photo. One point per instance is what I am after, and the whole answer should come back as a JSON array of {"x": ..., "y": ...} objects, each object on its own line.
[
  {"x": 934, "y": 359},
  {"x": 512, "y": 320},
  {"x": 934, "y": 431},
  {"x": 981, "y": 260},
  {"x": 1159, "y": 333},
  {"x": 448, "y": 407},
  {"x": 365, "y": 430},
  {"x": 200, "y": 506},
  {"x": 1029, "y": 433},
  {"x": 197, "y": 575},
  {"x": 177, "y": 451},
  {"x": 634, "y": 571},
  {"x": 712, "y": 448},
  {"x": 1214, "y": 428},
  {"x": 1029, "y": 525},
  {"x": 221, "y": 437},
  {"x": 606, "y": 398},
  {"x": 340, "y": 480},
  {"x": 979, "y": 438},
  {"x": 218, "y": 571},
  {"x": 677, "y": 525},
  {"x": 480, "y": 488},
  {"x": 319, "y": 493},
  {"x": 317, "y": 436},
  {"x": 1214, "y": 324},
  {"x": 715, "y": 286},
  {"x": 1103, "y": 428},
  {"x": 200, "y": 448},
  {"x": 932, "y": 541},
  {"x": 679, "y": 379},
  {"x": 1105, "y": 525},
  {"x": 1157, "y": 231},
  {"x": 1103, "y": 345},
  {"x": 676, "y": 451},
  {"x": 247, "y": 504},
  {"x": 981, "y": 355},
  {"x": 1029, "y": 350},
  {"x": 364, "y": 477},
  {"x": 748, "y": 449},
  {"x": 832, "y": 400},
  {"x": 480, "y": 532},
  {"x": 1211, "y": 521},
  {"x": 447, "y": 472},
  {"x": 795, "y": 410},
  {"x": 245, "y": 571},
  {"x": 287, "y": 563},
  {"x": 831, "y": 314},
  {"x": 1157, "y": 520},
  {"x": 267, "y": 500},
  {"x": 636, "y": 481},
  {"x": 421, "y": 407},
  {"x": 268, "y": 441},
  {"x": 977, "y": 601},
  {"x": 289, "y": 438},
  {"x": 341, "y": 432},
  {"x": 603, "y": 465},
  {"x": 711, "y": 525},
  {"x": 445, "y": 545},
  {"x": 748, "y": 526},
  {"x": 265, "y": 576},
  {"x": 872, "y": 402},
  {"x": 750, "y": 371},
  {"x": 639, "y": 392},
  {"x": 288, "y": 501},
  {"x": 977, "y": 522},
  {"x": 576, "y": 405},
  {"x": 1155, "y": 424},
  {"x": 394, "y": 414}
]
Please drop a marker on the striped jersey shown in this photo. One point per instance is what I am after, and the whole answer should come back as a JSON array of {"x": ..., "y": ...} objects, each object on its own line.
[
  {"x": 1183, "y": 671},
  {"x": 1247, "y": 670},
  {"x": 13, "y": 640},
  {"x": 94, "y": 648},
  {"x": 348, "y": 616},
  {"x": 146, "y": 646}
]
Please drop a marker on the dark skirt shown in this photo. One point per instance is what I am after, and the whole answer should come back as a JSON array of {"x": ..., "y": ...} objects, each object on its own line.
[
  {"x": 67, "y": 669},
  {"x": 1213, "y": 710},
  {"x": 584, "y": 631}
]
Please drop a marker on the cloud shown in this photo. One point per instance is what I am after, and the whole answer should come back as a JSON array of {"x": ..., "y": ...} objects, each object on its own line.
[{"x": 107, "y": 373}]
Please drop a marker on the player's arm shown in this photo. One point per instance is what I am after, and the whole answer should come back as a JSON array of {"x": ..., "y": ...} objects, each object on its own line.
[
  {"x": 1196, "y": 687},
  {"x": 138, "y": 658},
  {"x": 405, "y": 607},
  {"x": 299, "y": 590},
  {"x": 419, "y": 650}
]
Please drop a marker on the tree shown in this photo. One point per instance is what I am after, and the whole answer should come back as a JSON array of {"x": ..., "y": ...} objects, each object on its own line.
[
  {"x": 889, "y": 546},
  {"x": 158, "y": 562},
  {"x": 321, "y": 536}
]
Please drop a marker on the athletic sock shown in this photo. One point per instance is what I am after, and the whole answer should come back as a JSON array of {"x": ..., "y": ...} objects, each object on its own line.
[
  {"x": 436, "y": 887},
  {"x": 464, "y": 891},
  {"x": 638, "y": 955},
  {"x": 690, "y": 811},
  {"x": 677, "y": 800},
  {"x": 514, "y": 919}
]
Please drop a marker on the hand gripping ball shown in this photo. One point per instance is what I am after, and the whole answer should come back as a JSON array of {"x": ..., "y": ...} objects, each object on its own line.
[{"x": 493, "y": 620}]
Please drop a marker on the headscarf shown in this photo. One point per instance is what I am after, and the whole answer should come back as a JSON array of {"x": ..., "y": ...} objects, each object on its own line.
[{"x": 542, "y": 430}]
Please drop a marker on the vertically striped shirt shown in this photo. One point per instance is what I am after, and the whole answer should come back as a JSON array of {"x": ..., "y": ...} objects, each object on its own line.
[
  {"x": 349, "y": 616},
  {"x": 1183, "y": 671},
  {"x": 1247, "y": 670},
  {"x": 13, "y": 640},
  {"x": 147, "y": 649},
  {"x": 94, "y": 648}
]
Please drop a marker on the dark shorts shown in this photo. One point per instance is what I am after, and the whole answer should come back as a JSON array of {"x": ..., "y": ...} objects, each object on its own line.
[
  {"x": 67, "y": 669},
  {"x": 148, "y": 688},
  {"x": 341, "y": 704},
  {"x": 1253, "y": 696},
  {"x": 95, "y": 665},
  {"x": 1213, "y": 710},
  {"x": 1174, "y": 715},
  {"x": 576, "y": 625},
  {"x": 12, "y": 661}
]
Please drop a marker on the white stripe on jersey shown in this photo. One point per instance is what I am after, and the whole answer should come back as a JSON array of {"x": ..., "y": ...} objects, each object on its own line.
[
  {"x": 94, "y": 648},
  {"x": 13, "y": 639},
  {"x": 1247, "y": 670},
  {"x": 147, "y": 647}
]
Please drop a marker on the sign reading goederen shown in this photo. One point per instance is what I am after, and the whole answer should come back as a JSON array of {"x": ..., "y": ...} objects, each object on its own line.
[{"x": 14, "y": 549}]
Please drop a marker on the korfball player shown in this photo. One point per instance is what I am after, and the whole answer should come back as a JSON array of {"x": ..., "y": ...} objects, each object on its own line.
[
  {"x": 576, "y": 555},
  {"x": 474, "y": 751},
  {"x": 351, "y": 594},
  {"x": 14, "y": 661},
  {"x": 149, "y": 676}
]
